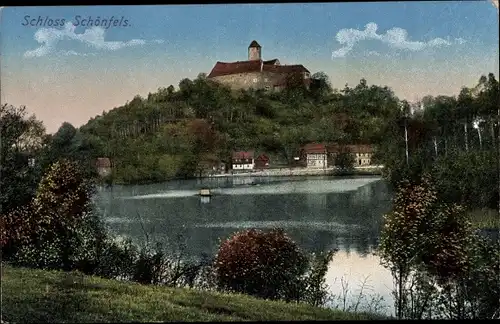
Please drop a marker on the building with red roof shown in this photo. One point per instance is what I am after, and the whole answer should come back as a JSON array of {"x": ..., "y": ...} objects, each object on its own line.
[
  {"x": 315, "y": 155},
  {"x": 243, "y": 160},
  {"x": 319, "y": 155},
  {"x": 262, "y": 161},
  {"x": 257, "y": 73}
]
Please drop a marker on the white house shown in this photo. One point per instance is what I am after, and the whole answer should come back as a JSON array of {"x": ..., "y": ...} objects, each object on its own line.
[
  {"x": 315, "y": 155},
  {"x": 243, "y": 161}
]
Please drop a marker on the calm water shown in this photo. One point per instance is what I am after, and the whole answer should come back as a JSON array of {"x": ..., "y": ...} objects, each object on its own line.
[{"x": 319, "y": 213}]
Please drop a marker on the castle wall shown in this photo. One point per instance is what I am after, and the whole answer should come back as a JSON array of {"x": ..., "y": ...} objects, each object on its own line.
[{"x": 256, "y": 80}]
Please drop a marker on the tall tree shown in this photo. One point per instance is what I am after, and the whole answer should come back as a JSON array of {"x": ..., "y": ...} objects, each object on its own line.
[{"x": 22, "y": 137}]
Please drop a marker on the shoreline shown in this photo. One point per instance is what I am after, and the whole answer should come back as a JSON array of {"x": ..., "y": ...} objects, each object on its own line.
[
  {"x": 372, "y": 170},
  {"x": 288, "y": 172}
]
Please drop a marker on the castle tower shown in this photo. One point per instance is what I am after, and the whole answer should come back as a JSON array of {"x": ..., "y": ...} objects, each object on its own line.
[{"x": 254, "y": 51}]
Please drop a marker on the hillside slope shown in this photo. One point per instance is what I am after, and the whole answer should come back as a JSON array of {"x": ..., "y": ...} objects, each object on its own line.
[{"x": 50, "y": 296}]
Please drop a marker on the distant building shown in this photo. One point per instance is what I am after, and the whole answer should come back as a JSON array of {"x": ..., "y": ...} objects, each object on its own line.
[
  {"x": 262, "y": 162},
  {"x": 243, "y": 160},
  {"x": 211, "y": 166},
  {"x": 103, "y": 166},
  {"x": 315, "y": 155},
  {"x": 362, "y": 153},
  {"x": 257, "y": 73}
]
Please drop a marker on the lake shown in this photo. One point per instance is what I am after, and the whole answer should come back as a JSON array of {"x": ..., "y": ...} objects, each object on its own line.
[{"x": 319, "y": 213}]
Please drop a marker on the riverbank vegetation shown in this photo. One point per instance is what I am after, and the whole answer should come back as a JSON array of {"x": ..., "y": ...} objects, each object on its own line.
[{"x": 442, "y": 268}]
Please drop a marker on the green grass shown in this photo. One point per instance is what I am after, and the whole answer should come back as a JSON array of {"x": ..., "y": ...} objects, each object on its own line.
[
  {"x": 52, "y": 296},
  {"x": 485, "y": 218}
]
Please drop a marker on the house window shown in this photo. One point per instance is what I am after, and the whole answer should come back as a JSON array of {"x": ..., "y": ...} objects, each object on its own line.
[{"x": 306, "y": 74}]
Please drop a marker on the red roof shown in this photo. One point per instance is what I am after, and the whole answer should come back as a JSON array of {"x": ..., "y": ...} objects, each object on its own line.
[
  {"x": 243, "y": 155},
  {"x": 313, "y": 148},
  {"x": 263, "y": 157},
  {"x": 224, "y": 68},
  {"x": 353, "y": 148},
  {"x": 103, "y": 163}
]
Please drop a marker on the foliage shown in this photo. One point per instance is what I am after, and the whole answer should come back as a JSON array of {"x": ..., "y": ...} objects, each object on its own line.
[
  {"x": 260, "y": 264},
  {"x": 22, "y": 137},
  {"x": 270, "y": 265},
  {"x": 160, "y": 137},
  {"x": 71, "y": 144},
  {"x": 54, "y": 235},
  {"x": 345, "y": 161},
  {"x": 454, "y": 138},
  {"x": 316, "y": 290},
  {"x": 436, "y": 258}
]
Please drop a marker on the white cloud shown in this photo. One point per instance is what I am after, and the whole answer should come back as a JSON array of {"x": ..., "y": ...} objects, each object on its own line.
[
  {"x": 74, "y": 53},
  {"x": 396, "y": 38},
  {"x": 93, "y": 37},
  {"x": 373, "y": 53}
]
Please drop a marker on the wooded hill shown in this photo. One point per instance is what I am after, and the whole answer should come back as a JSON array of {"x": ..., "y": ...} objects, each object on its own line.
[{"x": 168, "y": 133}]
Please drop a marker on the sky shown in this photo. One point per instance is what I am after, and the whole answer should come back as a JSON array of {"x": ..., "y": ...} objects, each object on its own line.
[{"x": 64, "y": 65}]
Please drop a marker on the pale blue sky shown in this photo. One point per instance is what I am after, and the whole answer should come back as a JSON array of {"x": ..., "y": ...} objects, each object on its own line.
[{"x": 417, "y": 48}]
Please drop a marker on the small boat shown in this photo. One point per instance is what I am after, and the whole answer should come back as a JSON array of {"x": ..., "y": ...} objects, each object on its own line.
[{"x": 205, "y": 193}]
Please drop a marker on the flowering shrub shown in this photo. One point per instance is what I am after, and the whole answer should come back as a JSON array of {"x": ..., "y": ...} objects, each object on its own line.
[{"x": 267, "y": 265}]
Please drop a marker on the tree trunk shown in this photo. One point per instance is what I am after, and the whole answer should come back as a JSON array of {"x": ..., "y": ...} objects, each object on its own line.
[
  {"x": 492, "y": 130},
  {"x": 466, "y": 138}
]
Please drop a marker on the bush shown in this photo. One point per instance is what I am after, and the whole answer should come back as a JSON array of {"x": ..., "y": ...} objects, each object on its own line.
[
  {"x": 441, "y": 267},
  {"x": 345, "y": 161},
  {"x": 265, "y": 265},
  {"x": 53, "y": 232},
  {"x": 15, "y": 230}
]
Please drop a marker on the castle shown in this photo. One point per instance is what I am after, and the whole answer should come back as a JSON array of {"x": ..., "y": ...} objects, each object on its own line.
[{"x": 256, "y": 73}]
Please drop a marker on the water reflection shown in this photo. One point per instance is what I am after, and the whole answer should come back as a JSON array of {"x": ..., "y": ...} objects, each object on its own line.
[
  {"x": 358, "y": 273},
  {"x": 319, "y": 213},
  {"x": 204, "y": 199}
]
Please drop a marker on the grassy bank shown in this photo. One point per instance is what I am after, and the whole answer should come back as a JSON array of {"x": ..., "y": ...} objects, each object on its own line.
[
  {"x": 50, "y": 296},
  {"x": 485, "y": 218}
]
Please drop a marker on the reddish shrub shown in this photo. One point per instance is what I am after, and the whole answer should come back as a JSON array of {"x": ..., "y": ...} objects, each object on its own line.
[{"x": 267, "y": 265}]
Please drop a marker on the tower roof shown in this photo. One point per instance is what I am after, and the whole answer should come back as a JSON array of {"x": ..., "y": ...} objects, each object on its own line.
[{"x": 254, "y": 44}]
